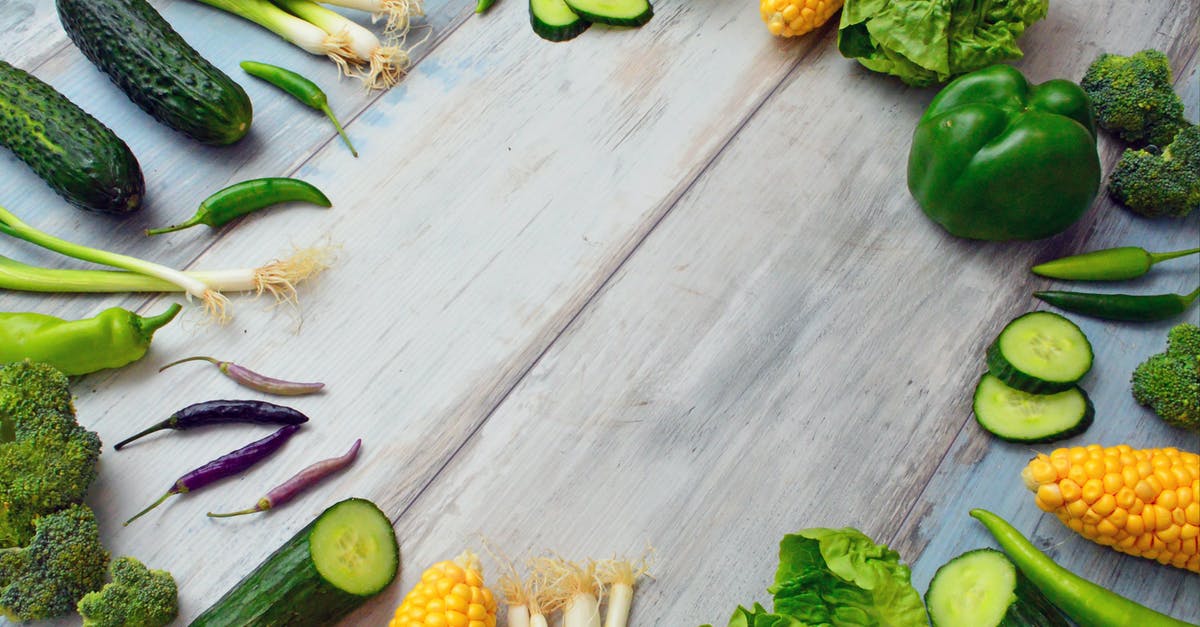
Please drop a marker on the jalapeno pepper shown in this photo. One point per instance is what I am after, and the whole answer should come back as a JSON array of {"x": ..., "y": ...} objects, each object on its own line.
[
  {"x": 1110, "y": 264},
  {"x": 301, "y": 89},
  {"x": 246, "y": 197},
  {"x": 112, "y": 339},
  {"x": 1133, "y": 308}
]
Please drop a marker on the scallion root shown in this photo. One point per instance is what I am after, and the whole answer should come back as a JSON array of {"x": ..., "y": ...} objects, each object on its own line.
[
  {"x": 575, "y": 587},
  {"x": 620, "y": 576}
]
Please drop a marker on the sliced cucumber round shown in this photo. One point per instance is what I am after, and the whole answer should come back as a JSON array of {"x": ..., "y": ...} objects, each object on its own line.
[
  {"x": 982, "y": 588},
  {"x": 1040, "y": 352},
  {"x": 613, "y": 12},
  {"x": 1018, "y": 416},
  {"x": 553, "y": 20}
]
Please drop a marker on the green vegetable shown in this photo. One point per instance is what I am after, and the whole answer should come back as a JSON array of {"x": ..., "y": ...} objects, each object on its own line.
[
  {"x": 79, "y": 157},
  {"x": 1016, "y": 416},
  {"x": 136, "y": 597},
  {"x": 1160, "y": 183},
  {"x": 247, "y": 197},
  {"x": 63, "y": 562},
  {"x": 982, "y": 588},
  {"x": 1169, "y": 382},
  {"x": 1134, "y": 97},
  {"x": 483, "y": 5},
  {"x": 996, "y": 158},
  {"x": 47, "y": 461},
  {"x": 1040, "y": 352},
  {"x": 157, "y": 69},
  {"x": 1110, "y": 264},
  {"x": 553, "y": 20},
  {"x": 1129, "y": 307},
  {"x": 1081, "y": 600},
  {"x": 324, "y": 572},
  {"x": 837, "y": 577},
  {"x": 613, "y": 12},
  {"x": 113, "y": 338},
  {"x": 301, "y": 89},
  {"x": 924, "y": 42}
]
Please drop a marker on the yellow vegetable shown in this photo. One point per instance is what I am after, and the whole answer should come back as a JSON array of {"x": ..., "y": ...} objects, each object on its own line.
[
  {"x": 1141, "y": 502},
  {"x": 792, "y": 18},
  {"x": 451, "y": 594}
]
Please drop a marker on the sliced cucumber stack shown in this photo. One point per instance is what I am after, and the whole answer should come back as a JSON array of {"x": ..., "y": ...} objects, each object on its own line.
[
  {"x": 553, "y": 20},
  {"x": 613, "y": 12},
  {"x": 1018, "y": 416},
  {"x": 983, "y": 588},
  {"x": 1040, "y": 352}
]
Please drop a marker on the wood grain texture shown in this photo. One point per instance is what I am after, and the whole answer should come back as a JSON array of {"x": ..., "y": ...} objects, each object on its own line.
[{"x": 629, "y": 289}]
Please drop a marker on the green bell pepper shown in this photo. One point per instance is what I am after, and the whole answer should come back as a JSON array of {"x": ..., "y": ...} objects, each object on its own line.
[{"x": 996, "y": 158}]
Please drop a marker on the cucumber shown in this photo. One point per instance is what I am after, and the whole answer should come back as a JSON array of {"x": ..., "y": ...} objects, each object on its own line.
[
  {"x": 553, "y": 20},
  {"x": 157, "y": 69},
  {"x": 1040, "y": 352},
  {"x": 613, "y": 12},
  {"x": 982, "y": 588},
  {"x": 79, "y": 157},
  {"x": 324, "y": 572},
  {"x": 1018, "y": 416}
]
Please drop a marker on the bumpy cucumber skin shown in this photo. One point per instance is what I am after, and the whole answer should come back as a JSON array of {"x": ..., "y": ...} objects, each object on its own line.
[
  {"x": 1089, "y": 415},
  {"x": 551, "y": 32},
  {"x": 1002, "y": 369},
  {"x": 286, "y": 589},
  {"x": 600, "y": 18},
  {"x": 157, "y": 69},
  {"x": 77, "y": 155},
  {"x": 1030, "y": 609}
]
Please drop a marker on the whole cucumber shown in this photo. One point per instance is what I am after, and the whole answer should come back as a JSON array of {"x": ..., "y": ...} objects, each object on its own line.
[
  {"x": 79, "y": 157},
  {"x": 157, "y": 69}
]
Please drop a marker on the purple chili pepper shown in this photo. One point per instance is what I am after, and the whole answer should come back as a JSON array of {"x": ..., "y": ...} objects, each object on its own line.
[
  {"x": 225, "y": 466},
  {"x": 253, "y": 380},
  {"x": 303, "y": 480},
  {"x": 221, "y": 412}
]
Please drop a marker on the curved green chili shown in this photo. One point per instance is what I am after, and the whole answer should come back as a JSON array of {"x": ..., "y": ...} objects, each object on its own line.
[
  {"x": 246, "y": 197},
  {"x": 299, "y": 87},
  {"x": 1134, "y": 308},
  {"x": 484, "y": 5},
  {"x": 1110, "y": 264},
  {"x": 112, "y": 339}
]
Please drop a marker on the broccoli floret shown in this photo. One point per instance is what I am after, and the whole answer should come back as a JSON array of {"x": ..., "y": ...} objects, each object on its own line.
[
  {"x": 136, "y": 597},
  {"x": 1133, "y": 97},
  {"x": 63, "y": 562},
  {"x": 1169, "y": 382},
  {"x": 47, "y": 461},
  {"x": 1160, "y": 184}
]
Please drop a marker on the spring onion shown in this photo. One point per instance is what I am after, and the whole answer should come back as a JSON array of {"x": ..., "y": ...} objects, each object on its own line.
[
  {"x": 576, "y": 587},
  {"x": 399, "y": 13},
  {"x": 385, "y": 63},
  {"x": 292, "y": 29},
  {"x": 620, "y": 577},
  {"x": 516, "y": 596}
]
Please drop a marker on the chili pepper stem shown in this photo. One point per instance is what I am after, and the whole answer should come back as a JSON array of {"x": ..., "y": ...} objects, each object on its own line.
[
  {"x": 169, "y": 494},
  {"x": 338, "y": 125},
  {"x": 211, "y": 360},
  {"x": 1157, "y": 257},
  {"x": 193, "y": 221},
  {"x": 262, "y": 506},
  {"x": 169, "y": 423}
]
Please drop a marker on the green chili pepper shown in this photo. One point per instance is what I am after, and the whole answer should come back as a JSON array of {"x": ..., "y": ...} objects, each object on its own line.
[
  {"x": 246, "y": 197},
  {"x": 301, "y": 88},
  {"x": 484, "y": 5},
  {"x": 1121, "y": 306},
  {"x": 112, "y": 339},
  {"x": 1110, "y": 264}
]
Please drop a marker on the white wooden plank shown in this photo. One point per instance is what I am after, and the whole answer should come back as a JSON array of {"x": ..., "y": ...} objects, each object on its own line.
[{"x": 795, "y": 346}]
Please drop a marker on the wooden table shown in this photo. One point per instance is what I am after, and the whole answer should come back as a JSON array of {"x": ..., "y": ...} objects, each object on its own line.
[{"x": 657, "y": 286}]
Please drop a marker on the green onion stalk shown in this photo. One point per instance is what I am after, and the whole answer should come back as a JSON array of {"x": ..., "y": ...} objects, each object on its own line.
[
  {"x": 385, "y": 62},
  {"x": 399, "y": 13},
  {"x": 303, "y": 35}
]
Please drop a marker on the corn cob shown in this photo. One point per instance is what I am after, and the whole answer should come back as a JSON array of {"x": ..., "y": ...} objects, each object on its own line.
[
  {"x": 1141, "y": 502},
  {"x": 450, "y": 594},
  {"x": 792, "y": 18}
]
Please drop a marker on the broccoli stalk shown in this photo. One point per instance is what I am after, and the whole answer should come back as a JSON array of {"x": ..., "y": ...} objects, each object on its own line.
[
  {"x": 1165, "y": 183},
  {"x": 136, "y": 597},
  {"x": 1169, "y": 382},
  {"x": 63, "y": 562},
  {"x": 1133, "y": 97}
]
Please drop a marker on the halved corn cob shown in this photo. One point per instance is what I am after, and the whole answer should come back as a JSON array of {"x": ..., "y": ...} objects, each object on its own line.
[
  {"x": 792, "y": 18},
  {"x": 1142, "y": 502},
  {"x": 450, "y": 594}
]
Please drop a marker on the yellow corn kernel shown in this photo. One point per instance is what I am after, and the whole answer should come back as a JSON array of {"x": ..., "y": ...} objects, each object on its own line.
[
  {"x": 792, "y": 18},
  {"x": 450, "y": 594},
  {"x": 1143, "y": 502}
]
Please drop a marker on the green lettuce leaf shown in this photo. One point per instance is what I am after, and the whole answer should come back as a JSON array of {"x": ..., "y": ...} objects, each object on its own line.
[{"x": 931, "y": 41}]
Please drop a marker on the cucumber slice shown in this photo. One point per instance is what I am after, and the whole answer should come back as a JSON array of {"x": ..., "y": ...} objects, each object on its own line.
[
  {"x": 613, "y": 12},
  {"x": 982, "y": 588},
  {"x": 1018, "y": 416},
  {"x": 1040, "y": 352},
  {"x": 553, "y": 20},
  {"x": 324, "y": 572}
]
